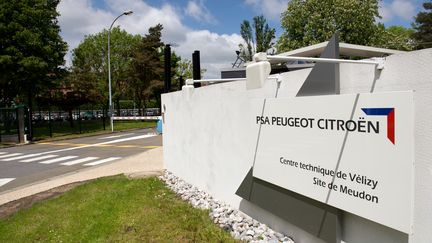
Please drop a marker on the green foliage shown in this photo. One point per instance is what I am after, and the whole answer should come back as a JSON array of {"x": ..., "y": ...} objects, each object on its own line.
[
  {"x": 314, "y": 21},
  {"x": 146, "y": 68},
  {"x": 398, "y": 38},
  {"x": 90, "y": 65},
  {"x": 264, "y": 35},
  {"x": 423, "y": 27},
  {"x": 136, "y": 67},
  {"x": 175, "y": 62},
  {"x": 246, "y": 33},
  {"x": 261, "y": 42},
  {"x": 184, "y": 70},
  {"x": 31, "y": 48}
]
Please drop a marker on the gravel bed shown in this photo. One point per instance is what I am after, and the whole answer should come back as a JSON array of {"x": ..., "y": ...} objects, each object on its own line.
[{"x": 240, "y": 225}]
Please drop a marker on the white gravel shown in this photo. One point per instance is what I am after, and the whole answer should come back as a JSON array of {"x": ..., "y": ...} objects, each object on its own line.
[{"x": 240, "y": 225}]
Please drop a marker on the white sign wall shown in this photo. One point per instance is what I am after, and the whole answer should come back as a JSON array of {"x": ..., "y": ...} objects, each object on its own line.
[{"x": 354, "y": 152}]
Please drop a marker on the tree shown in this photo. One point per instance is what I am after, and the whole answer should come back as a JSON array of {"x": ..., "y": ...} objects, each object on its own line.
[
  {"x": 32, "y": 50},
  {"x": 90, "y": 65},
  {"x": 314, "y": 21},
  {"x": 70, "y": 92},
  {"x": 423, "y": 27},
  {"x": 398, "y": 38},
  {"x": 147, "y": 67},
  {"x": 246, "y": 33},
  {"x": 175, "y": 61},
  {"x": 184, "y": 70},
  {"x": 263, "y": 40}
]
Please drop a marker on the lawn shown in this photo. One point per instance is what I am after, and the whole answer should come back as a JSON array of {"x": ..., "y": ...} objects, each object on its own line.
[
  {"x": 114, "y": 209},
  {"x": 60, "y": 129}
]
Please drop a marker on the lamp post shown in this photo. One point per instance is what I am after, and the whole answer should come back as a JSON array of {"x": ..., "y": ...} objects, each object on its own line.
[{"x": 109, "y": 68}]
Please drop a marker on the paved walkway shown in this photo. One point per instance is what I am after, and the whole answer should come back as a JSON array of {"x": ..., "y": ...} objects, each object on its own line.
[{"x": 148, "y": 162}]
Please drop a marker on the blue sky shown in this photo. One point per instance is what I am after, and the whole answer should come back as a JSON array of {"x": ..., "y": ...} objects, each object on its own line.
[
  {"x": 228, "y": 14},
  {"x": 211, "y": 26}
]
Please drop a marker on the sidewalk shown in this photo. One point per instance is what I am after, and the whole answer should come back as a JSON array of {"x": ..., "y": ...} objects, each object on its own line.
[{"x": 149, "y": 162}]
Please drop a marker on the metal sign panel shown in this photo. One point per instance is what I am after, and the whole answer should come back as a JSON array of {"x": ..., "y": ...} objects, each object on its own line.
[{"x": 354, "y": 152}]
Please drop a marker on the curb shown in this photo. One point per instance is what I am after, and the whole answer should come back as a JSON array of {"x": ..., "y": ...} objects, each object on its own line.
[{"x": 150, "y": 161}]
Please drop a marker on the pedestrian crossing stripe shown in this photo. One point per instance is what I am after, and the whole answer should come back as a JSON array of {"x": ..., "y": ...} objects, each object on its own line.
[
  {"x": 9, "y": 155},
  {"x": 39, "y": 158},
  {"x": 20, "y": 157},
  {"x": 58, "y": 159},
  {"x": 43, "y": 158},
  {"x": 102, "y": 161},
  {"x": 79, "y": 161}
]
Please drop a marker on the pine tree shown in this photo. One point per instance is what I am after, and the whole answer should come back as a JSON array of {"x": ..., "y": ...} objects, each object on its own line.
[
  {"x": 423, "y": 27},
  {"x": 147, "y": 67}
]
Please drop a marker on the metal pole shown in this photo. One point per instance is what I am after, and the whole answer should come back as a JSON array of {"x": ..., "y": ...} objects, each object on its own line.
[
  {"x": 109, "y": 68},
  {"x": 79, "y": 119},
  {"x": 1, "y": 122},
  {"x": 30, "y": 124},
  {"x": 103, "y": 117},
  {"x": 109, "y": 77},
  {"x": 18, "y": 126},
  {"x": 196, "y": 68},
  {"x": 319, "y": 59},
  {"x": 49, "y": 120},
  {"x": 167, "y": 68},
  {"x": 181, "y": 82}
]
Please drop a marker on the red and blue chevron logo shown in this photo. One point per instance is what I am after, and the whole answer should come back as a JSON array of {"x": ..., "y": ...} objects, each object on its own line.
[{"x": 390, "y": 114}]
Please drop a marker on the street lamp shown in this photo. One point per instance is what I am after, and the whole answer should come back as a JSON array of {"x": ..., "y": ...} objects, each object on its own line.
[{"x": 129, "y": 12}]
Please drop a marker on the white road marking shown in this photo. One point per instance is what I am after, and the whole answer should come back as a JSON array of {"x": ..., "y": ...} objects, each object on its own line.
[
  {"x": 39, "y": 158},
  {"x": 127, "y": 139},
  {"x": 3, "y": 153},
  {"x": 102, "y": 161},
  {"x": 4, "y": 181},
  {"x": 97, "y": 144},
  {"x": 74, "y": 162},
  {"x": 58, "y": 159},
  {"x": 9, "y": 155},
  {"x": 117, "y": 136},
  {"x": 20, "y": 157}
]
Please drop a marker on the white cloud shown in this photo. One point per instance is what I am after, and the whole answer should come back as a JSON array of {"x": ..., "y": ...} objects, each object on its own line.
[
  {"x": 271, "y": 9},
  {"x": 403, "y": 9},
  {"x": 197, "y": 10},
  {"x": 79, "y": 18},
  {"x": 216, "y": 51}
]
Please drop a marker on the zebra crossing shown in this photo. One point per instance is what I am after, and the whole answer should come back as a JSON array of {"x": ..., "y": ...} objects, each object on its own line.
[{"x": 65, "y": 160}]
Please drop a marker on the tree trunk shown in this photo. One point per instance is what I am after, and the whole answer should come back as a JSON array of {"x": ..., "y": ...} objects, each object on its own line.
[
  {"x": 118, "y": 106},
  {"x": 139, "y": 102},
  {"x": 70, "y": 118},
  {"x": 7, "y": 121}
]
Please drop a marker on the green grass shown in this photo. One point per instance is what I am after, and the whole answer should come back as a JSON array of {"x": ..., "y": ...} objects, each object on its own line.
[
  {"x": 61, "y": 129},
  {"x": 125, "y": 125},
  {"x": 114, "y": 209}
]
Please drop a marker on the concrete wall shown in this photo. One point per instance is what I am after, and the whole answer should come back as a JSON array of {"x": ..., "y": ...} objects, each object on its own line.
[{"x": 207, "y": 140}]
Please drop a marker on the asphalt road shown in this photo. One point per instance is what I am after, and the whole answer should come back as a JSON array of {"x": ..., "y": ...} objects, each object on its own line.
[{"x": 27, "y": 164}]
